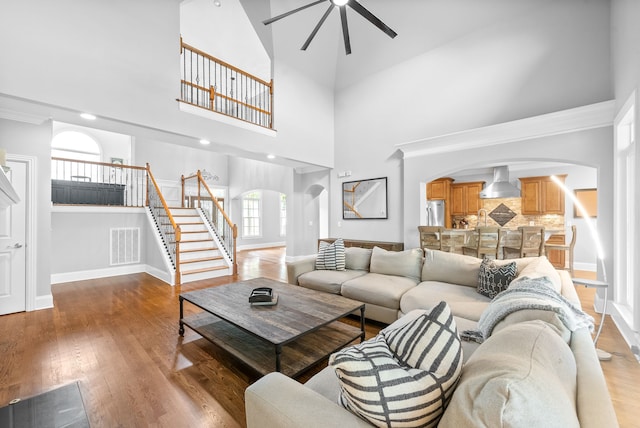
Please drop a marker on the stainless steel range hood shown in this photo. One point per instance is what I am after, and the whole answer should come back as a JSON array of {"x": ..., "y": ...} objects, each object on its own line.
[{"x": 500, "y": 187}]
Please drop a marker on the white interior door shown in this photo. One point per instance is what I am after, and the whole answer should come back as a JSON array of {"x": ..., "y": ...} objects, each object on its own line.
[{"x": 12, "y": 245}]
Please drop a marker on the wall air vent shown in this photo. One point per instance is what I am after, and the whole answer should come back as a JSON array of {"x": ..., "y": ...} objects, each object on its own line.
[{"x": 125, "y": 245}]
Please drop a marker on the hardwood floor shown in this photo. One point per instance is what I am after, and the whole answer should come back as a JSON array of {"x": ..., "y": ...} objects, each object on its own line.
[{"x": 119, "y": 338}]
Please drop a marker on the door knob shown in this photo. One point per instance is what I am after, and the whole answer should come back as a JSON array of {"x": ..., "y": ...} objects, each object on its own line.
[{"x": 18, "y": 245}]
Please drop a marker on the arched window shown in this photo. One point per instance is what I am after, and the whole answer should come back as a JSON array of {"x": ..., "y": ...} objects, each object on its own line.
[
  {"x": 79, "y": 147},
  {"x": 75, "y": 145}
]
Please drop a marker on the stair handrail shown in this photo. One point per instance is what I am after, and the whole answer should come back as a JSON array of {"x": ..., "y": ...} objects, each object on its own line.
[
  {"x": 229, "y": 242},
  {"x": 173, "y": 252}
]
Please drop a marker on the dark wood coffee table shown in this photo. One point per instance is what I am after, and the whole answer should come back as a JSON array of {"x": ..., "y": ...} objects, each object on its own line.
[{"x": 299, "y": 331}]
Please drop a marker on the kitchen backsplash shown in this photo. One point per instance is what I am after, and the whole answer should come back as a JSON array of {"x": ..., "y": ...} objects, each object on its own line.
[{"x": 549, "y": 221}]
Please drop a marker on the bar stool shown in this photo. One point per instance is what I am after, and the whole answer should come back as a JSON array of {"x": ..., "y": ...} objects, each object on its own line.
[
  {"x": 487, "y": 243},
  {"x": 430, "y": 237},
  {"x": 565, "y": 247},
  {"x": 531, "y": 243}
]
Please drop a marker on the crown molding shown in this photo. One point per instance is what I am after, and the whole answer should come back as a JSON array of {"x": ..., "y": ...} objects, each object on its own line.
[
  {"x": 17, "y": 116},
  {"x": 592, "y": 116}
]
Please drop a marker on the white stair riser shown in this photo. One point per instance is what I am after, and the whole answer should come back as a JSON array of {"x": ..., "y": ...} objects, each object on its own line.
[
  {"x": 200, "y": 227},
  {"x": 206, "y": 245},
  {"x": 182, "y": 220},
  {"x": 186, "y": 237},
  {"x": 186, "y": 267},
  {"x": 206, "y": 275},
  {"x": 199, "y": 254},
  {"x": 183, "y": 211}
]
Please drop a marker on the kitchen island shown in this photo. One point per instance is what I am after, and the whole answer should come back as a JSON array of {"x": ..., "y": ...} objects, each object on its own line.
[{"x": 454, "y": 239}]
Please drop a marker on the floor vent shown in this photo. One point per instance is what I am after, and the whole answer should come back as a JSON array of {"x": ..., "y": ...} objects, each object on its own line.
[{"x": 125, "y": 245}]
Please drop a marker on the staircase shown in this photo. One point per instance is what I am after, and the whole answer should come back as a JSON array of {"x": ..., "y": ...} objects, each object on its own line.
[{"x": 199, "y": 256}]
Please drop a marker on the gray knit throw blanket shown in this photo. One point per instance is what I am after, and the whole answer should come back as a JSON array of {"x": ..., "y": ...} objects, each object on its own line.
[{"x": 528, "y": 293}]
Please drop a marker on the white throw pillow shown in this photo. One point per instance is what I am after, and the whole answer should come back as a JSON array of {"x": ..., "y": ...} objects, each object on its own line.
[
  {"x": 357, "y": 258},
  {"x": 404, "y": 376},
  {"x": 331, "y": 256},
  {"x": 406, "y": 263}
]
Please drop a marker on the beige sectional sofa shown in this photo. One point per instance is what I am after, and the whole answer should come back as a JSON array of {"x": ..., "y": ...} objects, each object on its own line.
[{"x": 531, "y": 371}]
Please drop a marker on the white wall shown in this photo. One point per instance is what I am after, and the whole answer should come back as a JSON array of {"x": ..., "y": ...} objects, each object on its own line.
[
  {"x": 626, "y": 65},
  {"x": 247, "y": 175},
  {"x": 71, "y": 56},
  {"x": 81, "y": 240},
  {"x": 35, "y": 140},
  {"x": 548, "y": 61},
  {"x": 311, "y": 208},
  {"x": 169, "y": 161}
]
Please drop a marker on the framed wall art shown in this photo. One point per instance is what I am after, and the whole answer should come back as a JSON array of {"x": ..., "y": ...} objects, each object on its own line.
[{"x": 364, "y": 199}]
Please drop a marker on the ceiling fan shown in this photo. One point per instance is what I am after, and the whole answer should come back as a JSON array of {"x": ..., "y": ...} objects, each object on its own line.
[{"x": 342, "y": 5}]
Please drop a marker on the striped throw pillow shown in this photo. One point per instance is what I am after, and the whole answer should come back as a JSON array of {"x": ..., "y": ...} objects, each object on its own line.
[
  {"x": 331, "y": 256},
  {"x": 379, "y": 383}
]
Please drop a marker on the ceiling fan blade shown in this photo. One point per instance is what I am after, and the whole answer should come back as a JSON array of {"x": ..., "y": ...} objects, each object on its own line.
[
  {"x": 345, "y": 29},
  {"x": 291, "y": 12},
  {"x": 372, "y": 18},
  {"x": 315, "y": 30}
]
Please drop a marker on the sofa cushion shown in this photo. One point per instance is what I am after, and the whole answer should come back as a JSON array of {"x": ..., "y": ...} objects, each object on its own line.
[
  {"x": 357, "y": 258},
  {"x": 386, "y": 391},
  {"x": 522, "y": 376},
  {"x": 381, "y": 290},
  {"x": 399, "y": 263},
  {"x": 450, "y": 267},
  {"x": 493, "y": 279},
  {"x": 463, "y": 301},
  {"x": 329, "y": 281},
  {"x": 540, "y": 267},
  {"x": 331, "y": 256}
]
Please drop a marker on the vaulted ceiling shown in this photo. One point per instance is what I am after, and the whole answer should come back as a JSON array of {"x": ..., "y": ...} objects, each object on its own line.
[{"x": 422, "y": 25}]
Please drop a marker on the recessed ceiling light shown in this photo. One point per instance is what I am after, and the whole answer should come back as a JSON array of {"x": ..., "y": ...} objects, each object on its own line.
[
  {"x": 205, "y": 142},
  {"x": 217, "y": 3},
  {"x": 271, "y": 156},
  {"x": 87, "y": 116}
]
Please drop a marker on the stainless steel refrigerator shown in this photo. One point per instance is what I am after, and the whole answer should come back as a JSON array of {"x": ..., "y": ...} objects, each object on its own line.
[{"x": 435, "y": 213}]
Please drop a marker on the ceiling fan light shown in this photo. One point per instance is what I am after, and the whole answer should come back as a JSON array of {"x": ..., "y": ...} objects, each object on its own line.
[{"x": 339, "y": 2}]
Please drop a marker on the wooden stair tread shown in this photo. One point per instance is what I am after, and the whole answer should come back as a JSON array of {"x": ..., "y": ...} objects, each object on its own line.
[
  {"x": 198, "y": 249},
  {"x": 191, "y": 241},
  {"x": 209, "y": 269},
  {"x": 203, "y": 259}
]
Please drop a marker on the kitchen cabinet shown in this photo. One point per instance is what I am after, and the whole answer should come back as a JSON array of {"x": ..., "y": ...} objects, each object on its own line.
[
  {"x": 440, "y": 189},
  {"x": 557, "y": 258},
  {"x": 541, "y": 195},
  {"x": 465, "y": 198}
]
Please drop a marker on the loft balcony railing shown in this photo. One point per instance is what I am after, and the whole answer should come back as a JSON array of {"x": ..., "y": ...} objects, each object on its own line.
[
  {"x": 76, "y": 182},
  {"x": 215, "y": 85}
]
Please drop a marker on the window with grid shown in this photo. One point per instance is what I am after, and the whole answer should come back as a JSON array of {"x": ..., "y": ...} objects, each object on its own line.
[
  {"x": 251, "y": 215},
  {"x": 283, "y": 214}
]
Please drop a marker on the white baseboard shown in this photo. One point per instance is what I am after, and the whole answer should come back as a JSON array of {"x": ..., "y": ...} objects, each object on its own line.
[
  {"x": 260, "y": 246},
  {"x": 628, "y": 334},
  {"x": 58, "y": 278},
  {"x": 44, "y": 302},
  {"x": 161, "y": 275},
  {"x": 589, "y": 267}
]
